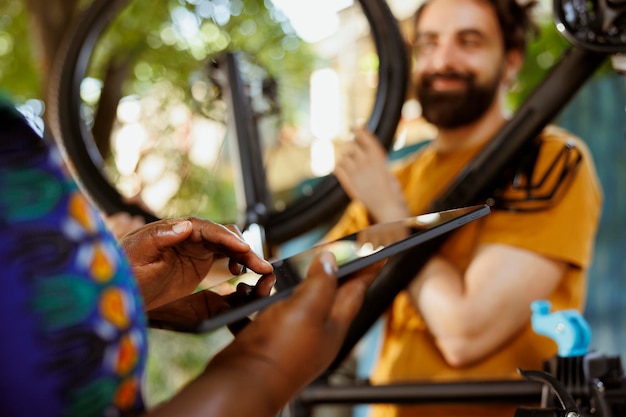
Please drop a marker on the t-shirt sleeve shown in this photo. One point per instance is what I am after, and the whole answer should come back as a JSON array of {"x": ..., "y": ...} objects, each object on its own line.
[{"x": 565, "y": 227}]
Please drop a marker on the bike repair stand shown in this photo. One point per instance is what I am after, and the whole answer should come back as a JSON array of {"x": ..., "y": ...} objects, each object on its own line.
[{"x": 582, "y": 383}]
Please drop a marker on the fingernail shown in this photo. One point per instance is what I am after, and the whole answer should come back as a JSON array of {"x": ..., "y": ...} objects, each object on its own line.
[
  {"x": 329, "y": 262},
  {"x": 181, "y": 227}
]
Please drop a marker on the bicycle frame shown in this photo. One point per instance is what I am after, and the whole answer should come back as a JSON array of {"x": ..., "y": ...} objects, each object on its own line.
[
  {"x": 254, "y": 196},
  {"x": 474, "y": 184}
]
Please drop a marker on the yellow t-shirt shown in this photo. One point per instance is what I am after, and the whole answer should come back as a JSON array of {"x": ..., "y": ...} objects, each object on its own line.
[{"x": 565, "y": 231}]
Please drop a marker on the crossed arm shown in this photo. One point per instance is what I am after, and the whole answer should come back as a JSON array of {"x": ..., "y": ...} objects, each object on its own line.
[{"x": 473, "y": 313}]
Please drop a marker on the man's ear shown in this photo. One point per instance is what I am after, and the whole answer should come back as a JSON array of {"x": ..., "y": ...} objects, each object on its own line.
[{"x": 514, "y": 61}]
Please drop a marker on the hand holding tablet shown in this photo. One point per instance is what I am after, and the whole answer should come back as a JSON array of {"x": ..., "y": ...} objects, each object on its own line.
[{"x": 206, "y": 310}]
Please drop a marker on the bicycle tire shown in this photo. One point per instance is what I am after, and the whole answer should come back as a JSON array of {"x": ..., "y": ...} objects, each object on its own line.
[{"x": 326, "y": 199}]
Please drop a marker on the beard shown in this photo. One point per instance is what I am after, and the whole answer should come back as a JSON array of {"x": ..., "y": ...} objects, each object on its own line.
[{"x": 452, "y": 109}]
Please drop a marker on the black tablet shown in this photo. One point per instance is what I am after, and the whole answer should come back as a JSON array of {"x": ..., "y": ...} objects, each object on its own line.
[{"x": 353, "y": 252}]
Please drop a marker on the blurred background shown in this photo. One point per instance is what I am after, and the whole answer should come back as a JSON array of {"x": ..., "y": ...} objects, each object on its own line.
[{"x": 154, "y": 106}]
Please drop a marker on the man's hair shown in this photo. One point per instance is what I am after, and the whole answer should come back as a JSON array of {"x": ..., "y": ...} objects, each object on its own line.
[{"x": 514, "y": 17}]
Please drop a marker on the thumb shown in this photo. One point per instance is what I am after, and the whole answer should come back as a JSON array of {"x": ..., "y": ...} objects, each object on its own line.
[
  {"x": 171, "y": 234},
  {"x": 156, "y": 236},
  {"x": 178, "y": 228}
]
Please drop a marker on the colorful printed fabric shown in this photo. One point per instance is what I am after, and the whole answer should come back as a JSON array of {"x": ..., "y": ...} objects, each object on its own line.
[{"x": 74, "y": 335}]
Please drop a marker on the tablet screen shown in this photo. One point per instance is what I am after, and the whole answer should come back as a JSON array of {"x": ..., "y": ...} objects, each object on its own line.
[{"x": 374, "y": 243}]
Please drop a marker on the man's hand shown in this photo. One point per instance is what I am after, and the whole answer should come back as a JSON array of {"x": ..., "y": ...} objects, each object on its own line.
[{"x": 364, "y": 174}]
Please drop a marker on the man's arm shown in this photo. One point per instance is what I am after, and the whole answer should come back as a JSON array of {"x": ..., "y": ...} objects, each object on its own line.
[{"x": 471, "y": 315}]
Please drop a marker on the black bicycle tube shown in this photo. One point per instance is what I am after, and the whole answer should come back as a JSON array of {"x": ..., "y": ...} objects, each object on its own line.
[
  {"x": 246, "y": 146},
  {"x": 475, "y": 392}
]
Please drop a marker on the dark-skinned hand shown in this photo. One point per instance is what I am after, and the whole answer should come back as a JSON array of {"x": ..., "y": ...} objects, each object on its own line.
[
  {"x": 170, "y": 257},
  {"x": 285, "y": 348}
]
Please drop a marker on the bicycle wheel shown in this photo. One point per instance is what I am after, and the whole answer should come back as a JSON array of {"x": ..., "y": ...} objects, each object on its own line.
[{"x": 89, "y": 52}]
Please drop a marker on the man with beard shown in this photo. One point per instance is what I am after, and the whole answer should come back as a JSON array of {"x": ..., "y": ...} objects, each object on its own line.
[{"x": 466, "y": 315}]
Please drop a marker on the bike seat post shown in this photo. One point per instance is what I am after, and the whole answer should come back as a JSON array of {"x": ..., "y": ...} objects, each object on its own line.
[{"x": 254, "y": 235}]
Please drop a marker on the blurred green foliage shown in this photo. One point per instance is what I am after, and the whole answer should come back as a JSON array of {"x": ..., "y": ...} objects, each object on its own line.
[
  {"x": 163, "y": 43},
  {"x": 176, "y": 358},
  {"x": 19, "y": 74},
  {"x": 542, "y": 54}
]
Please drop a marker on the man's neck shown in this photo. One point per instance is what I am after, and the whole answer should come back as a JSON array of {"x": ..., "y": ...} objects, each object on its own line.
[{"x": 469, "y": 136}]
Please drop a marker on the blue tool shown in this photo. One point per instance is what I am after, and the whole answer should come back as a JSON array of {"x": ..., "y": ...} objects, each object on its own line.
[{"x": 567, "y": 328}]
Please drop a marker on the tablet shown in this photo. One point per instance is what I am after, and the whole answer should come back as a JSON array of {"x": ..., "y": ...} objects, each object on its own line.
[{"x": 353, "y": 252}]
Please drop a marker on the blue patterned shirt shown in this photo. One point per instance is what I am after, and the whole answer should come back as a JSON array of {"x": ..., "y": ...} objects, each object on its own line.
[{"x": 74, "y": 334}]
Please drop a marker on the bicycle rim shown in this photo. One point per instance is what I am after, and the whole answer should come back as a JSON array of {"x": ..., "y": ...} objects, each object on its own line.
[{"x": 327, "y": 197}]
